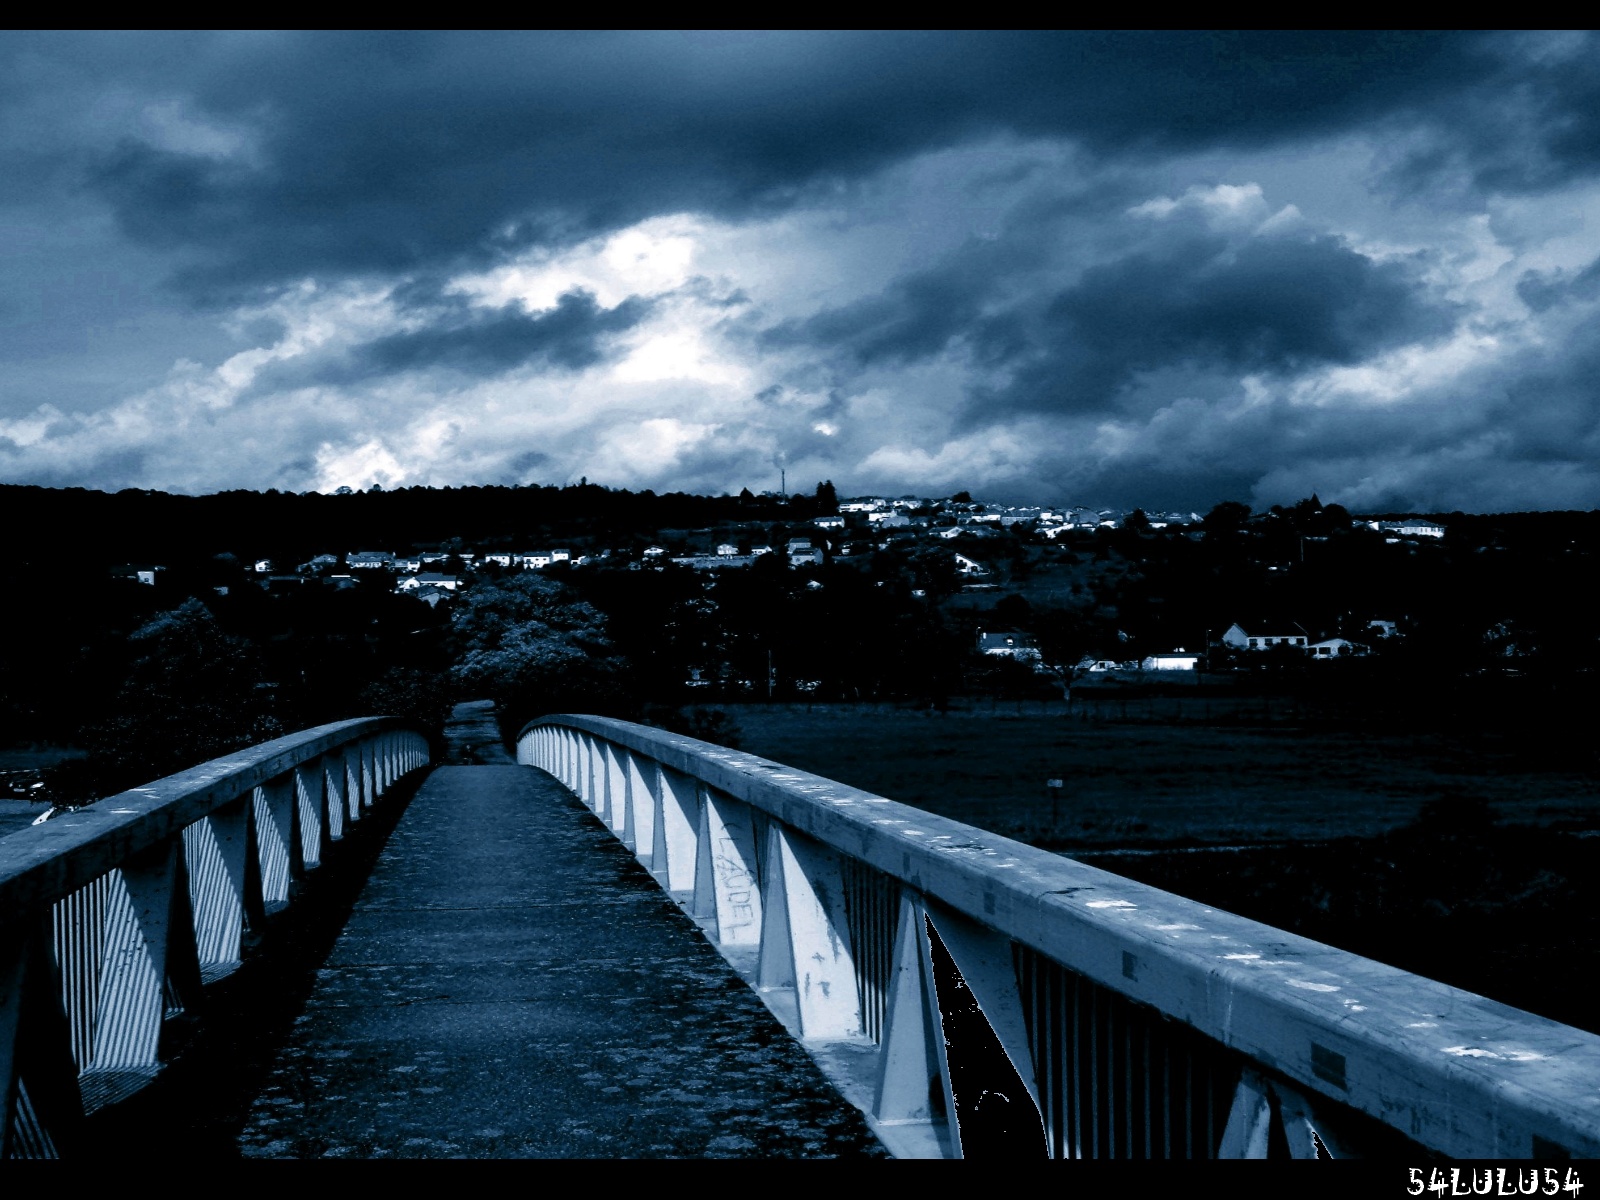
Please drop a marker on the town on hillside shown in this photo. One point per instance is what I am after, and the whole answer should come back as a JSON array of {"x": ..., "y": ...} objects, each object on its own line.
[{"x": 180, "y": 626}]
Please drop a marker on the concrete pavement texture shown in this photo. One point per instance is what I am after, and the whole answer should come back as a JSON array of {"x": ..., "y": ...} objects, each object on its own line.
[{"x": 511, "y": 983}]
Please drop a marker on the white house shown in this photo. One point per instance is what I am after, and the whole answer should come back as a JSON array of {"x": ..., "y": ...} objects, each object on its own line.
[
  {"x": 968, "y": 566},
  {"x": 1383, "y": 629},
  {"x": 654, "y": 551},
  {"x": 828, "y": 522},
  {"x": 535, "y": 560},
  {"x": 1176, "y": 660},
  {"x": 263, "y": 566},
  {"x": 428, "y": 579},
  {"x": 500, "y": 558},
  {"x": 560, "y": 556},
  {"x": 1265, "y": 636},
  {"x": 371, "y": 560},
  {"x": 1409, "y": 527},
  {"x": 1418, "y": 528}
]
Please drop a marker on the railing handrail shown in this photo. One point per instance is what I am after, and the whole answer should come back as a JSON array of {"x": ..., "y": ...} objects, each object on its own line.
[
  {"x": 44, "y": 863},
  {"x": 115, "y": 917},
  {"x": 1451, "y": 1069}
]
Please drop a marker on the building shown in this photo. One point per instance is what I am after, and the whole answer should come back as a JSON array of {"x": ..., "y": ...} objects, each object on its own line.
[
  {"x": 499, "y": 558},
  {"x": 1337, "y": 648},
  {"x": 428, "y": 579},
  {"x": 137, "y": 573},
  {"x": 828, "y": 522},
  {"x": 1175, "y": 660},
  {"x": 969, "y": 566},
  {"x": 1265, "y": 635},
  {"x": 727, "y": 550},
  {"x": 802, "y": 553},
  {"x": 1409, "y": 527},
  {"x": 371, "y": 560},
  {"x": 1009, "y": 644}
]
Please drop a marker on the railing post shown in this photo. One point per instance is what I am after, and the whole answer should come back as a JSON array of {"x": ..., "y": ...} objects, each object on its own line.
[
  {"x": 352, "y": 788},
  {"x": 335, "y": 783},
  {"x": 616, "y": 789},
  {"x": 369, "y": 772},
  {"x": 987, "y": 966},
  {"x": 595, "y": 777},
  {"x": 1249, "y": 1120},
  {"x": 641, "y": 818},
  {"x": 41, "y": 1109},
  {"x": 311, "y": 807},
  {"x": 675, "y": 830},
  {"x": 380, "y": 767},
  {"x": 131, "y": 996},
  {"x": 913, "y": 1074},
  {"x": 805, "y": 935},
  {"x": 215, "y": 849},
  {"x": 274, "y": 803},
  {"x": 725, "y": 870}
]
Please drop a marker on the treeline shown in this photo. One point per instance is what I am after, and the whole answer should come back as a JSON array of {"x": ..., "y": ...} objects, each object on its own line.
[{"x": 53, "y": 525}]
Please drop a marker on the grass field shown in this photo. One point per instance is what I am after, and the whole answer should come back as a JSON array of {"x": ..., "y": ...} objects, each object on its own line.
[
  {"x": 1140, "y": 783},
  {"x": 1495, "y": 887}
]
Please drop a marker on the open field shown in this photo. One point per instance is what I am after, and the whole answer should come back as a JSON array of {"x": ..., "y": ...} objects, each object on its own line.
[
  {"x": 1157, "y": 784},
  {"x": 1444, "y": 855}
]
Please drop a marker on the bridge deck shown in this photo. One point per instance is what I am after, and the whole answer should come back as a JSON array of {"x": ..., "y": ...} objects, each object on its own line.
[{"x": 512, "y": 983}]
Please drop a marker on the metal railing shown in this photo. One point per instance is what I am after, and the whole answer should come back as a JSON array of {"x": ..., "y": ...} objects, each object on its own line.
[
  {"x": 114, "y": 916},
  {"x": 974, "y": 995}
]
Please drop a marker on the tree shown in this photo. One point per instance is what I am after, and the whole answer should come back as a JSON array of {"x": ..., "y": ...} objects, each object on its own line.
[
  {"x": 827, "y": 499},
  {"x": 1227, "y": 517},
  {"x": 190, "y": 692},
  {"x": 527, "y": 644}
]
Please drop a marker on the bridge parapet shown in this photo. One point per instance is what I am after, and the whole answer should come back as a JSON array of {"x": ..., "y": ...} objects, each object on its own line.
[
  {"x": 941, "y": 973},
  {"x": 113, "y": 917}
]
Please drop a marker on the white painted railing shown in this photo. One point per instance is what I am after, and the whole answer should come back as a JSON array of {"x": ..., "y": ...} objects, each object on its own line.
[
  {"x": 114, "y": 916},
  {"x": 972, "y": 994}
]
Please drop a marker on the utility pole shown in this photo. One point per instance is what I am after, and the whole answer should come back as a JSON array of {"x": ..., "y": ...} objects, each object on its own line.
[{"x": 770, "y": 676}]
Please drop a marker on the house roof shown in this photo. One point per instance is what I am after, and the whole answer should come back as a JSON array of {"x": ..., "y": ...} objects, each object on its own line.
[{"x": 1271, "y": 627}]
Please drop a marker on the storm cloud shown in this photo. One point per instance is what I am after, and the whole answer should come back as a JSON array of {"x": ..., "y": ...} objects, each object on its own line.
[{"x": 1142, "y": 268}]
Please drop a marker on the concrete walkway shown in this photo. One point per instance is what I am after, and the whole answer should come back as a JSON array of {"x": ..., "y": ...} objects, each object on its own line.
[
  {"x": 512, "y": 983},
  {"x": 472, "y": 735}
]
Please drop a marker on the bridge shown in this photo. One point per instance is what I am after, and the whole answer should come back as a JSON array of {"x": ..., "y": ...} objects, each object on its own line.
[{"x": 631, "y": 943}]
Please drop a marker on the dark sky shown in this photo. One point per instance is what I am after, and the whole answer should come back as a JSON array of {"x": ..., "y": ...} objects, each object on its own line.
[{"x": 1158, "y": 269}]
